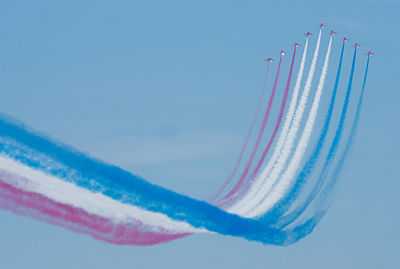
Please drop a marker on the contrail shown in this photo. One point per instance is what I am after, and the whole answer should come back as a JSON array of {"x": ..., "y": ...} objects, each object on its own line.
[
  {"x": 52, "y": 182},
  {"x": 265, "y": 182},
  {"x": 31, "y": 180},
  {"x": 78, "y": 220},
  {"x": 246, "y": 141},
  {"x": 286, "y": 125},
  {"x": 288, "y": 176},
  {"x": 242, "y": 187},
  {"x": 331, "y": 154},
  {"x": 325, "y": 198},
  {"x": 71, "y": 180},
  {"x": 280, "y": 208},
  {"x": 260, "y": 134},
  {"x": 284, "y": 100}
]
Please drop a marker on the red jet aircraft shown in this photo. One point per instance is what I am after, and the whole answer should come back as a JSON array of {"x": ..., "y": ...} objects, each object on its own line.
[
  {"x": 269, "y": 59},
  {"x": 296, "y": 44},
  {"x": 332, "y": 32},
  {"x": 308, "y": 34},
  {"x": 356, "y": 45},
  {"x": 282, "y": 52},
  {"x": 321, "y": 25},
  {"x": 344, "y": 39},
  {"x": 369, "y": 53}
]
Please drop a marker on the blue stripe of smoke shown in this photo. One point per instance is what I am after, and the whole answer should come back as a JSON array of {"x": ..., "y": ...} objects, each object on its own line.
[
  {"x": 325, "y": 199},
  {"x": 283, "y": 206},
  {"x": 61, "y": 161},
  {"x": 331, "y": 154}
]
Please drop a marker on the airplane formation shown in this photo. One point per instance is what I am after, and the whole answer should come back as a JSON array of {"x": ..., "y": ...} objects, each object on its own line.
[{"x": 308, "y": 34}]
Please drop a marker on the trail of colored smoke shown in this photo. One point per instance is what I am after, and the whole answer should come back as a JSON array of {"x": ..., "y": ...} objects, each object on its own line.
[
  {"x": 281, "y": 207},
  {"x": 278, "y": 123},
  {"x": 39, "y": 207},
  {"x": 327, "y": 193},
  {"x": 265, "y": 181},
  {"x": 326, "y": 196},
  {"x": 42, "y": 161},
  {"x": 260, "y": 135},
  {"x": 52, "y": 182},
  {"x": 245, "y": 185},
  {"x": 289, "y": 175},
  {"x": 246, "y": 141},
  {"x": 330, "y": 157}
]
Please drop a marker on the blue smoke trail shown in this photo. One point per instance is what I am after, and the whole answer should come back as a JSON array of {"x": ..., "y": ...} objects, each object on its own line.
[
  {"x": 281, "y": 208},
  {"x": 325, "y": 199},
  {"x": 331, "y": 154},
  {"x": 63, "y": 162},
  {"x": 43, "y": 154}
]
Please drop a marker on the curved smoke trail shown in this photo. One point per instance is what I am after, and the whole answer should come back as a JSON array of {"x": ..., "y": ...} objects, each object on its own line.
[
  {"x": 325, "y": 198},
  {"x": 246, "y": 141},
  {"x": 260, "y": 134},
  {"x": 270, "y": 174},
  {"x": 240, "y": 191},
  {"x": 288, "y": 120},
  {"x": 73, "y": 190},
  {"x": 49, "y": 181},
  {"x": 326, "y": 194},
  {"x": 333, "y": 149},
  {"x": 284, "y": 182},
  {"x": 278, "y": 123},
  {"x": 280, "y": 208}
]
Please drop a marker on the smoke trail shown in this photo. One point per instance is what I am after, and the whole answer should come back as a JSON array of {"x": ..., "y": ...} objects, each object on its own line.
[
  {"x": 223, "y": 203},
  {"x": 331, "y": 154},
  {"x": 36, "y": 206},
  {"x": 231, "y": 176},
  {"x": 31, "y": 180},
  {"x": 57, "y": 172},
  {"x": 325, "y": 194},
  {"x": 260, "y": 134},
  {"x": 289, "y": 174},
  {"x": 52, "y": 182},
  {"x": 279, "y": 118},
  {"x": 286, "y": 125},
  {"x": 265, "y": 182},
  {"x": 325, "y": 198},
  {"x": 280, "y": 208}
]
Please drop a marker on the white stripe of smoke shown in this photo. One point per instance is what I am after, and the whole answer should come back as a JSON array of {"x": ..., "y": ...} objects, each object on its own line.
[
  {"x": 93, "y": 203},
  {"x": 290, "y": 174},
  {"x": 270, "y": 178},
  {"x": 282, "y": 136}
]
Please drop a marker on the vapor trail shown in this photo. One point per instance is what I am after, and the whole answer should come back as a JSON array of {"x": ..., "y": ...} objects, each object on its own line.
[
  {"x": 288, "y": 176},
  {"x": 246, "y": 141},
  {"x": 284, "y": 100},
  {"x": 281, "y": 207},
  {"x": 331, "y": 154},
  {"x": 243, "y": 187},
  {"x": 39, "y": 207},
  {"x": 47, "y": 180},
  {"x": 264, "y": 181},
  {"x": 325, "y": 197},
  {"x": 260, "y": 134}
]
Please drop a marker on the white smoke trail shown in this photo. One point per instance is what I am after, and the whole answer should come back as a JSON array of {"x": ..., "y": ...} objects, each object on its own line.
[
  {"x": 32, "y": 180},
  {"x": 271, "y": 176},
  {"x": 285, "y": 181},
  {"x": 282, "y": 135},
  {"x": 265, "y": 180}
]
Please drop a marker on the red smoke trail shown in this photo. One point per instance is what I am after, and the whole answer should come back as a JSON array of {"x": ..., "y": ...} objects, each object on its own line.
[
  {"x": 39, "y": 207},
  {"x": 253, "y": 123},
  {"x": 260, "y": 134},
  {"x": 278, "y": 123}
]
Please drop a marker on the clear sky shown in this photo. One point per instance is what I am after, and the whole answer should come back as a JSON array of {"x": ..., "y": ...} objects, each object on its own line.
[{"x": 167, "y": 90}]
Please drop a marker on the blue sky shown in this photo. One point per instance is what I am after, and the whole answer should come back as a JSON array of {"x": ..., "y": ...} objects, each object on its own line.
[{"x": 167, "y": 90}]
